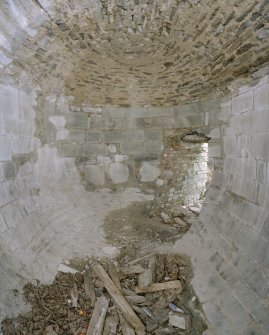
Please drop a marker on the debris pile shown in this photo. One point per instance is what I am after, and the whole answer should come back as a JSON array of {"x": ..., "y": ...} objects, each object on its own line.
[
  {"x": 179, "y": 216},
  {"x": 149, "y": 295}
]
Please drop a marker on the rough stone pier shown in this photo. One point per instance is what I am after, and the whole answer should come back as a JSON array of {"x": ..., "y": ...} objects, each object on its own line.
[{"x": 107, "y": 105}]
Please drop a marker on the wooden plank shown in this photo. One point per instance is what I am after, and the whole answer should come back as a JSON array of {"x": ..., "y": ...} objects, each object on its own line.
[
  {"x": 120, "y": 300},
  {"x": 74, "y": 295},
  {"x": 114, "y": 274},
  {"x": 135, "y": 261},
  {"x": 111, "y": 325},
  {"x": 98, "y": 316},
  {"x": 146, "y": 278},
  {"x": 125, "y": 327},
  {"x": 136, "y": 299},
  {"x": 174, "y": 284},
  {"x": 133, "y": 269},
  {"x": 89, "y": 287}
]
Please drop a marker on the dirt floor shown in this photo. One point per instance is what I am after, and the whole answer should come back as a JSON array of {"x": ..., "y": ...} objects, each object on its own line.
[
  {"x": 134, "y": 231},
  {"x": 69, "y": 305}
]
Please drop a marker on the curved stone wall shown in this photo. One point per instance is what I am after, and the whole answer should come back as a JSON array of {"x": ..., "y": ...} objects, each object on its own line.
[
  {"x": 72, "y": 68},
  {"x": 229, "y": 243}
]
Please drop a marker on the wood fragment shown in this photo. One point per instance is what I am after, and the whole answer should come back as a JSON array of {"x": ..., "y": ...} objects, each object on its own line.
[
  {"x": 114, "y": 274},
  {"x": 89, "y": 287},
  {"x": 175, "y": 284},
  {"x": 98, "y": 317},
  {"x": 111, "y": 325},
  {"x": 153, "y": 326},
  {"x": 139, "y": 259},
  {"x": 136, "y": 299},
  {"x": 133, "y": 269},
  {"x": 125, "y": 327},
  {"x": 147, "y": 277},
  {"x": 128, "y": 292},
  {"x": 74, "y": 296},
  {"x": 120, "y": 300}
]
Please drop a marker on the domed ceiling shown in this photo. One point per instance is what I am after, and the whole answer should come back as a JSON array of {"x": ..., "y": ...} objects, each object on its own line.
[{"x": 133, "y": 53}]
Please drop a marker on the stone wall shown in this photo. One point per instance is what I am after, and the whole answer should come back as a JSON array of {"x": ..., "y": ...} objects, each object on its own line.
[
  {"x": 130, "y": 53},
  {"x": 17, "y": 144},
  {"x": 184, "y": 170},
  {"x": 231, "y": 266},
  {"x": 116, "y": 147}
]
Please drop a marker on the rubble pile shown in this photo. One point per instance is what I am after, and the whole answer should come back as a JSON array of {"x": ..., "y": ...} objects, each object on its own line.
[
  {"x": 179, "y": 216},
  {"x": 148, "y": 295}
]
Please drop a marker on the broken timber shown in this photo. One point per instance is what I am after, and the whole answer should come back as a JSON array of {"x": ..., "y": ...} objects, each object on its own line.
[
  {"x": 98, "y": 317},
  {"x": 89, "y": 287},
  {"x": 170, "y": 285},
  {"x": 119, "y": 299}
]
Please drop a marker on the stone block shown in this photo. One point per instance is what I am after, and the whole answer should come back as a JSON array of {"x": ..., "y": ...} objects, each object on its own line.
[
  {"x": 70, "y": 150},
  {"x": 261, "y": 316},
  {"x": 9, "y": 100},
  {"x": 226, "y": 106},
  {"x": 233, "y": 310},
  {"x": 121, "y": 158},
  {"x": 261, "y": 171},
  {"x": 245, "y": 188},
  {"x": 263, "y": 196},
  {"x": 92, "y": 110},
  {"x": 12, "y": 214},
  {"x": 76, "y": 136},
  {"x": 113, "y": 148},
  {"x": 152, "y": 148},
  {"x": 131, "y": 148},
  {"x": 153, "y": 135},
  {"x": 261, "y": 120},
  {"x": 186, "y": 109},
  {"x": 5, "y": 148},
  {"x": 114, "y": 136},
  {"x": 259, "y": 146},
  {"x": 160, "y": 111},
  {"x": 2, "y": 125},
  {"x": 261, "y": 96},
  {"x": 149, "y": 171},
  {"x": 214, "y": 150},
  {"x": 235, "y": 126},
  {"x": 7, "y": 193},
  {"x": 22, "y": 145},
  {"x": 89, "y": 149},
  {"x": 136, "y": 112},
  {"x": 150, "y": 122},
  {"x": 112, "y": 112},
  {"x": 76, "y": 120},
  {"x": 95, "y": 174},
  {"x": 230, "y": 146},
  {"x": 118, "y": 173},
  {"x": 183, "y": 121},
  {"x": 135, "y": 135},
  {"x": 94, "y": 136},
  {"x": 19, "y": 127},
  {"x": 107, "y": 123},
  {"x": 243, "y": 102},
  {"x": 258, "y": 282},
  {"x": 9, "y": 169},
  {"x": 3, "y": 226},
  {"x": 246, "y": 295}
]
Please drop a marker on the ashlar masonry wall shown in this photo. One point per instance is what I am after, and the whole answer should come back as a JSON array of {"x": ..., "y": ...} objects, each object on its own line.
[
  {"x": 115, "y": 147},
  {"x": 229, "y": 243}
]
